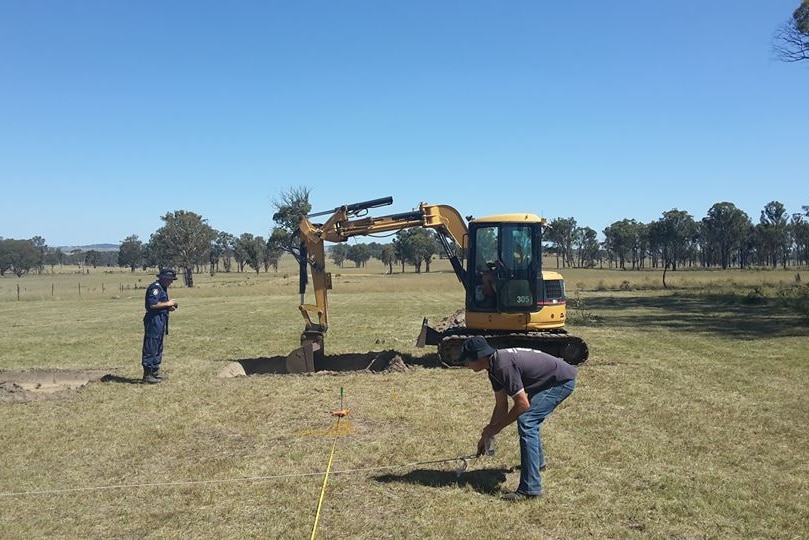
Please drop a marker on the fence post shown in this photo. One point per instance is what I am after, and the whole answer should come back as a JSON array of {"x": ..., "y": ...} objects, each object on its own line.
[
  {"x": 18, "y": 292},
  {"x": 51, "y": 289},
  {"x": 79, "y": 288}
]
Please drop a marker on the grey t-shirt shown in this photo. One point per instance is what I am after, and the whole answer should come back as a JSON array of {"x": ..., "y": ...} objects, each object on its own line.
[{"x": 516, "y": 369}]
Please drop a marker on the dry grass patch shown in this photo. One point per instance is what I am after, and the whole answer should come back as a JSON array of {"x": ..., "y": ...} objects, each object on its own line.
[{"x": 688, "y": 421}]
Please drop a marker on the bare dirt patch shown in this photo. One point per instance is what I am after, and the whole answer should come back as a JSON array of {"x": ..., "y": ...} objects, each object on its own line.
[{"x": 31, "y": 384}]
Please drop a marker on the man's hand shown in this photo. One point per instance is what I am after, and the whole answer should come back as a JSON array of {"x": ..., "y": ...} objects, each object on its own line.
[
  {"x": 481, "y": 447},
  {"x": 487, "y": 433}
]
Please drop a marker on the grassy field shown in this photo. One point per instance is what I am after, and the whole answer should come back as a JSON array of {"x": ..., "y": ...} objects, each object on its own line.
[{"x": 689, "y": 420}]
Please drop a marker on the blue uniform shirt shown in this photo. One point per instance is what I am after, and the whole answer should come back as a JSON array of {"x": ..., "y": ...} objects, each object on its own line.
[{"x": 155, "y": 293}]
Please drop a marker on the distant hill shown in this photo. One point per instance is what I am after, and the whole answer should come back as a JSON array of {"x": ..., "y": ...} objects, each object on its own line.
[{"x": 96, "y": 247}]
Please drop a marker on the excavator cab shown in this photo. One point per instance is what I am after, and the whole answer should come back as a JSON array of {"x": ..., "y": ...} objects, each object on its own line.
[{"x": 504, "y": 264}]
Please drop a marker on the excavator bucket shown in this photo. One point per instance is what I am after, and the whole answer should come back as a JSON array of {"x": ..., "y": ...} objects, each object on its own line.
[
  {"x": 428, "y": 335},
  {"x": 310, "y": 354}
]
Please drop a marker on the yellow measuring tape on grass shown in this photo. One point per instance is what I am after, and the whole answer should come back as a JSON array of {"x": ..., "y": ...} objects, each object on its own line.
[{"x": 339, "y": 414}]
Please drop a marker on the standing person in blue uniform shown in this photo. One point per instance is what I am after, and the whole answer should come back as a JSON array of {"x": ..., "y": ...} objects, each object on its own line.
[
  {"x": 156, "y": 324},
  {"x": 537, "y": 383}
]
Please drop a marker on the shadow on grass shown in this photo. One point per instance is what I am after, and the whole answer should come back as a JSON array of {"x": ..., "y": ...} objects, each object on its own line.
[
  {"x": 739, "y": 316},
  {"x": 118, "y": 379},
  {"x": 486, "y": 481}
]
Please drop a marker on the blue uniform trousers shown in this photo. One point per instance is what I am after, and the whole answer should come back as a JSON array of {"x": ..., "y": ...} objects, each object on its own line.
[{"x": 154, "y": 329}]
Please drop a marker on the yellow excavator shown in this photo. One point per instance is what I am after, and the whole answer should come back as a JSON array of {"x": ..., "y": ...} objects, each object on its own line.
[{"x": 510, "y": 300}]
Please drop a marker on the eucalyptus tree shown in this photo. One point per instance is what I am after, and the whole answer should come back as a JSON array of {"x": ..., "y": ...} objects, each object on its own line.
[
  {"x": 674, "y": 236},
  {"x": 587, "y": 247},
  {"x": 184, "y": 241},
  {"x": 359, "y": 254},
  {"x": 416, "y": 246},
  {"x": 42, "y": 248},
  {"x": 388, "y": 256},
  {"x": 249, "y": 250},
  {"x": 338, "y": 254},
  {"x": 774, "y": 233},
  {"x": 291, "y": 206},
  {"x": 791, "y": 39},
  {"x": 222, "y": 249},
  {"x": 130, "y": 253},
  {"x": 253, "y": 248},
  {"x": 724, "y": 229},
  {"x": 272, "y": 255},
  {"x": 19, "y": 256},
  {"x": 626, "y": 239},
  {"x": 799, "y": 229},
  {"x": 562, "y": 233}
]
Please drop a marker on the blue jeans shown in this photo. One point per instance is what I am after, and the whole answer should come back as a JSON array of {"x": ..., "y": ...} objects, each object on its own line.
[{"x": 532, "y": 456}]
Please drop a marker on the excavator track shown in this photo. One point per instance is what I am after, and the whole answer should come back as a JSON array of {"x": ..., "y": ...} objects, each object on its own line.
[{"x": 570, "y": 348}]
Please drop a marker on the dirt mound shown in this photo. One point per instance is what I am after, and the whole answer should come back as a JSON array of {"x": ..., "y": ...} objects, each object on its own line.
[
  {"x": 27, "y": 385},
  {"x": 457, "y": 319}
]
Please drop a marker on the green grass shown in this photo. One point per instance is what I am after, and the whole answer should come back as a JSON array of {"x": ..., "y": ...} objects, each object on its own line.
[{"x": 688, "y": 421}]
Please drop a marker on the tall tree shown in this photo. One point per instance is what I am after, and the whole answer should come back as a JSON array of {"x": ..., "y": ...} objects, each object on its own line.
[
  {"x": 42, "y": 248},
  {"x": 587, "y": 247},
  {"x": 224, "y": 245},
  {"x": 241, "y": 250},
  {"x": 291, "y": 206},
  {"x": 253, "y": 248},
  {"x": 272, "y": 255},
  {"x": 359, "y": 254},
  {"x": 626, "y": 239},
  {"x": 19, "y": 256},
  {"x": 799, "y": 229},
  {"x": 338, "y": 254},
  {"x": 725, "y": 228},
  {"x": 415, "y": 246},
  {"x": 130, "y": 252},
  {"x": 561, "y": 232},
  {"x": 388, "y": 256},
  {"x": 774, "y": 233},
  {"x": 673, "y": 234},
  {"x": 92, "y": 258},
  {"x": 791, "y": 39},
  {"x": 184, "y": 241}
]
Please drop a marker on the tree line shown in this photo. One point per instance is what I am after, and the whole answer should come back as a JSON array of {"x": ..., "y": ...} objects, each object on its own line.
[{"x": 726, "y": 238}]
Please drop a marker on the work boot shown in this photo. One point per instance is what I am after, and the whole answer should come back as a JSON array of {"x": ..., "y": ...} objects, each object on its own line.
[
  {"x": 516, "y": 496},
  {"x": 149, "y": 377},
  {"x": 156, "y": 374}
]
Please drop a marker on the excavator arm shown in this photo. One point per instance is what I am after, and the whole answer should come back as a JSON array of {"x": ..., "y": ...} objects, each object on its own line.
[{"x": 346, "y": 222}]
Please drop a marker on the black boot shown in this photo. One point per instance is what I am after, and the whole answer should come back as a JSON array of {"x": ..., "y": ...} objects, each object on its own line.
[{"x": 149, "y": 376}]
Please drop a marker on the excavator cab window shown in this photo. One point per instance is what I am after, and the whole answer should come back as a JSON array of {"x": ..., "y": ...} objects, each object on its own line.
[{"x": 502, "y": 262}]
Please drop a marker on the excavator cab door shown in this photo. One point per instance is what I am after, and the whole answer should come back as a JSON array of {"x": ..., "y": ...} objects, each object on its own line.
[{"x": 505, "y": 265}]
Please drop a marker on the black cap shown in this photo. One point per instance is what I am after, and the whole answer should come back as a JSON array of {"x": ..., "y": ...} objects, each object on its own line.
[
  {"x": 474, "y": 348},
  {"x": 167, "y": 273}
]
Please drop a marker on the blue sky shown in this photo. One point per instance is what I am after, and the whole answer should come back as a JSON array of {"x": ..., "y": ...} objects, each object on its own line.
[{"x": 113, "y": 113}]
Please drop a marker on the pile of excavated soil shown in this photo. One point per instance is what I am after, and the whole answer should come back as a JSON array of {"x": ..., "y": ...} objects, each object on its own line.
[
  {"x": 30, "y": 384},
  {"x": 455, "y": 320}
]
